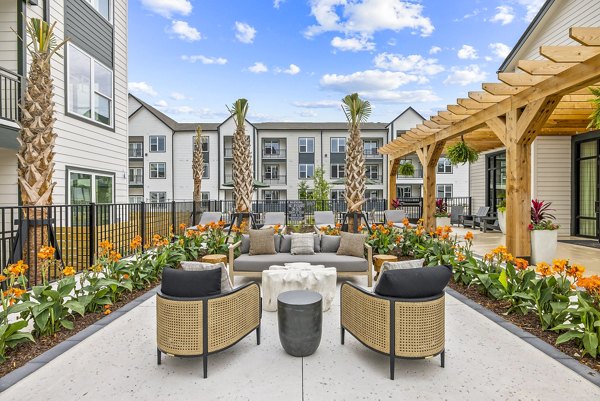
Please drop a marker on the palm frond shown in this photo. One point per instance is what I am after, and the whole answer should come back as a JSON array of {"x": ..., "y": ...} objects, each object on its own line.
[
  {"x": 239, "y": 111},
  {"x": 356, "y": 109}
]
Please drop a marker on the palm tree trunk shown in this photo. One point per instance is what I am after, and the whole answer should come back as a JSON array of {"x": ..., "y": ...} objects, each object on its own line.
[
  {"x": 242, "y": 172},
  {"x": 355, "y": 175}
]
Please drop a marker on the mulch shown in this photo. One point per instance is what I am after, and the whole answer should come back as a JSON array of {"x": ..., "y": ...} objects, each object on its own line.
[
  {"x": 529, "y": 323},
  {"x": 25, "y": 352}
]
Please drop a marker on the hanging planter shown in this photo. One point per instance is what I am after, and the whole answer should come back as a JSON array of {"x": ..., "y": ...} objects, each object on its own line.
[
  {"x": 461, "y": 153},
  {"x": 406, "y": 169},
  {"x": 595, "y": 116}
]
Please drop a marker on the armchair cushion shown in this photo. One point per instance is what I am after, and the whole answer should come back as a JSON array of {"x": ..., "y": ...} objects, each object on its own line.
[
  {"x": 199, "y": 266},
  {"x": 190, "y": 284},
  {"x": 262, "y": 242},
  {"x": 352, "y": 244},
  {"x": 413, "y": 283}
]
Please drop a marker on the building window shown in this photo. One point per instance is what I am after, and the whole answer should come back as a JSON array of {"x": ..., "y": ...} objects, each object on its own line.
[
  {"x": 136, "y": 150},
  {"x": 158, "y": 170},
  {"x": 370, "y": 147},
  {"x": 337, "y": 195},
  {"x": 372, "y": 194},
  {"x": 444, "y": 166},
  {"x": 136, "y": 176},
  {"x": 372, "y": 171},
  {"x": 89, "y": 87},
  {"x": 338, "y": 171},
  {"x": 338, "y": 145},
  {"x": 104, "y": 7},
  {"x": 206, "y": 173},
  {"x": 158, "y": 197},
  {"x": 86, "y": 187},
  {"x": 271, "y": 172},
  {"x": 306, "y": 145},
  {"x": 404, "y": 191},
  {"x": 158, "y": 143},
  {"x": 444, "y": 191},
  {"x": 306, "y": 171},
  {"x": 203, "y": 141},
  {"x": 136, "y": 198},
  {"x": 271, "y": 147},
  {"x": 271, "y": 195}
]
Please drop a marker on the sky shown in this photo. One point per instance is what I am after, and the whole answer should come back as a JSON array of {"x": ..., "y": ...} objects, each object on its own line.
[{"x": 294, "y": 60}]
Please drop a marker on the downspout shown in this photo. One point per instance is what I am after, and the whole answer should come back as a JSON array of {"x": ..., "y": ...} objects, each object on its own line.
[
  {"x": 219, "y": 162},
  {"x": 322, "y": 150},
  {"x": 47, "y": 11},
  {"x": 173, "y": 165}
]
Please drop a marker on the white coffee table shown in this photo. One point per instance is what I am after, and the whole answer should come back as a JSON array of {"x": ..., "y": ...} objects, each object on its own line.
[{"x": 298, "y": 276}]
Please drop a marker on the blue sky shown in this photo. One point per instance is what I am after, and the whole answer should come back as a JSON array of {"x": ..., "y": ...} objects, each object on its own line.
[{"x": 295, "y": 59}]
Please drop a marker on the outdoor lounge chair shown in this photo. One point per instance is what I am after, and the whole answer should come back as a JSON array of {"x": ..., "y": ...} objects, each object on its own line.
[
  {"x": 456, "y": 214},
  {"x": 208, "y": 217},
  {"x": 396, "y": 216},
  {"x": 274, "y": 218},
  {"x": 403, "y": 318},
  {"x": 324, "y": 219},
  {"x": 202, "y": 326},
  {"x": 475, "y": 219}
]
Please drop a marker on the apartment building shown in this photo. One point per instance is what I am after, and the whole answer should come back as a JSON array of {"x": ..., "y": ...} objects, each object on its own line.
[
  {"x": 90, "y": 95},
  {"x": 284, "y": 154}
]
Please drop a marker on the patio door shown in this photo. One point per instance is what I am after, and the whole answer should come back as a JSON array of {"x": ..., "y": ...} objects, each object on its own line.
[{"x": 587, "y": 213}]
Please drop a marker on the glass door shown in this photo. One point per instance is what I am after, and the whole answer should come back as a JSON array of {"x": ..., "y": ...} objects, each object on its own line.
[
  {"x": 495, "y": 179},
  {"x": 586, "y": 164}
]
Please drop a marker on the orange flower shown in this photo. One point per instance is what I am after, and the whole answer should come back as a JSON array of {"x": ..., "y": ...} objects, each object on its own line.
[
  {"x": 46, "y": 252},
  {"x": 69, "y": 271},
  {"x": 126, "y": 276},
  {"x": 361, "y": 227},
  {"x": 543, "y": 269},
  {"x": 107, "y": 311},
  {"x": 390, "y": 224},
  {"x": 559, "y": 265},
  {"x": 17, "y": 269},
  {"x": 114, "y": 256},
  {"x": 106, "y": 245},
  {"x": 182, "y": 227},
  {"x": 2, "y": 277},
  {"x": 136, "y": 242},
  {"x": 276, "y": 228},
  {"x": 439, "y": 231},
  {"x": 373, "y": 227},
  {"x": 338, "y": 225},
  {"x": 460, "y": 257},
  {"x": 445, "y": 236},
  {"x": 469, "y": 236},
  {"x": 106, "y": 306},
  {"x": 447, "y": 229},
  {"x": 576, "y": 271},
  {"x": 405, "y": 222},
  {"x": 591, "y": 284},
  {"x": 521, "y": 264}
]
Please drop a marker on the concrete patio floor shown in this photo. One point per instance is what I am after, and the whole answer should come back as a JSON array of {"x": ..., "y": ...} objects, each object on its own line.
[{"x": 483, "y": 362}]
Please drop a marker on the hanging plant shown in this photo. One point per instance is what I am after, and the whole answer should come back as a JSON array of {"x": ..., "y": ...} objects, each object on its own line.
[
  {"x": 461, "y": 153},
  {"x": 406, "y": 169},
  {"x": 595, "y": 116}
]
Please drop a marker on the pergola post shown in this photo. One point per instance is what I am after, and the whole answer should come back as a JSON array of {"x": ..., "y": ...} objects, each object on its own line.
[
  {"x": 429, "y": 156},
  {"x": 392, "y": 189},
  {"x": 517, "y": 131}
]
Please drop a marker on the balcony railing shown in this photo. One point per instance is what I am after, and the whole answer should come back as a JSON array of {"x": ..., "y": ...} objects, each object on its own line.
[
  {"x": 228, "y": 153},
  {"x": 274, "y": 179},
  {"x": 417, "y": 174},
  {"x": 372, "y": 154},
  {"x": 136, "y": 180},
  {"x": 374, "y": 179},
  {"x": 10, "y": 94},
  {"x": 271, "y": 154}
]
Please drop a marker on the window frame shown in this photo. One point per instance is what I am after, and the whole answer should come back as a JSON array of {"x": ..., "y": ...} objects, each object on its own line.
[
  {"x": 158, "y": 193},
  {"x": 336, "y": 167},
  {"x": 164, "y": 137},
  {"x": 133, "y": 175},
  {"x": 338, "y": 145},
  {"x": 136, "y": 196},
  {"x": 306, "y": 166},
  {"x": 206, "y": 175},
  {"x": 271, "y": 192},
  {"x": 129, "y": 150},
  {"x": 269, "y": 170},
  {"x": 69, "y": 110},
  {"x": 339, "y": 195},
  {"x": 370, "y": 140},
  {"x": 306, "y": 141},
  {"x": 267, "y": 144},
  {"x": 93, "y": 174},
  {"x": 110, "y": 10},
  {"x": 368, "y": 167},
  {"x": 437, "y": 190},
  {"x": 445, "y": 166},
  {"x": 157, "y": 171}
]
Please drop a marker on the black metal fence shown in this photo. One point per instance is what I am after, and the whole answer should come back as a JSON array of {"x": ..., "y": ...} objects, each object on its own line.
[{"x": 10, "y": 93}]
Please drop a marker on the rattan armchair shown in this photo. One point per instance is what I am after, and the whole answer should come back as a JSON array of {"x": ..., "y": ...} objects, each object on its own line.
[
  {"x": 192, "y": 327},
  {"x": 400, "y": 328}
]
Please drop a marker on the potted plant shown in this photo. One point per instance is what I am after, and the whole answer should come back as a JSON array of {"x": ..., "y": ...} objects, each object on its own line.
[
  {"x": 461, "y": 153},
  {"x": 442, "y": 217},
  {"x": 406, "y": 169},
  {"x": 502, "y": 215},
  {"x": 544, "y": 233}
]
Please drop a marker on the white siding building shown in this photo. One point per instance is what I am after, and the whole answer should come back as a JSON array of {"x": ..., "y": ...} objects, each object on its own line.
[{"x": 92, "y": 120}]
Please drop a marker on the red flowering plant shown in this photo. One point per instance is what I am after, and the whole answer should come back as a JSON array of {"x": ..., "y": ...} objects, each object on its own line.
[
  {"x": 441, "y": 208},
  {"x": 541, "y": 218}
]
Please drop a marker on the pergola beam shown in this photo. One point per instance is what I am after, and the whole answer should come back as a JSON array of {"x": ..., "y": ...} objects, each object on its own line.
[
  {"x": 517, "y": 79},
  {"x": 569, "y": 54},
  {"x": 542, "y": 67}
]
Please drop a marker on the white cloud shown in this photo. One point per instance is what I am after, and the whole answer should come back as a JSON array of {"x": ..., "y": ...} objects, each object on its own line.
[
  {"x": 504, "y": 15},
  {"x": 390, "y": 96},
  {"x": 184, "y": 31},
  {"x": 308, "y": 113},
  {"x": 353, "y": 44},
  {"x": 369, "y": 80},
  {"x": 413, "y": 63},
  {"x": 500, "y": 50},
  {"x": 244, "y": 32},
  {"x": 392, "y": 42},
  {"x": 293, "y": 69},
  {"x": 142, "y": 87},
  {"x": 467, "y": 53},
  {"x": 465, "y": 76},
  {"x": 258, "y": 68},
  {"x": 472, "y": 14},
  {"x": 204, "y": 59},
  {"x": 367, "y": 17},
  {"x": 178, "y": 96},
  {"x": 319, "y": 104},
  {"x": 161, "y": 104},
  {"x": 167, "y": 8},
  {"x": 277, "y": 3},
  {"x": 532, "y": 7},
  {"x": 435, "y": 50}
]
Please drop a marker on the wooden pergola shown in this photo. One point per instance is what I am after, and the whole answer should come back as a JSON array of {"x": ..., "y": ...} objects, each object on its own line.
[{"x": 546, "y": 97}]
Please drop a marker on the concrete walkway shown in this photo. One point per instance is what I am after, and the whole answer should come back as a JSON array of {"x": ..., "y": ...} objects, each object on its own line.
[{"x": 483, "y": 362}]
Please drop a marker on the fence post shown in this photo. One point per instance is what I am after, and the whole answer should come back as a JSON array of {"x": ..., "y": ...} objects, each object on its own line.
[
  {"x": 286, "y": 212},
  {"x": 173, "y": 218},
  {"x": 193, "y": 213},
  {"x": 143, "y": 222},
  {"x": 91, "y": 232}
]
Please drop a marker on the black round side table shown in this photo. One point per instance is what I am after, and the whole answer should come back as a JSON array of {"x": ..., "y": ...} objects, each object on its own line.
[{"x": 300, "y": 318}]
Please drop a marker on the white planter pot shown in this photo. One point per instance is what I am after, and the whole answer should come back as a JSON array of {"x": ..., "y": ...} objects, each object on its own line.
[
  {"x": 442, "y": 221},
  {"x": 543, "y": 245},
  {"x": 502, "y": 221}
]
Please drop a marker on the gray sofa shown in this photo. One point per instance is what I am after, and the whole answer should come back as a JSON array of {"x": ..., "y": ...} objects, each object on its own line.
[{"x": 325, "y": 254}]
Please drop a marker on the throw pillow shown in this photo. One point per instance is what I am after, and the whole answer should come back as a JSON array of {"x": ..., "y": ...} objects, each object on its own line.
[
  {"x": 404, "y": 264},
  {"x": 245, "y": 245},
  {"x": 317, "y": 245},
  {"x": 286, "y": 244},
  {"x": 421, "y": 282},
  {"x": 352, "y": 244},
  {"x": 190, "y": 284},
  {"x": 199, "y": 266},
  {"x": 303, "y": 244},
  {"x": 330, "y": 243},
  {"x": 261, "y": 242}
]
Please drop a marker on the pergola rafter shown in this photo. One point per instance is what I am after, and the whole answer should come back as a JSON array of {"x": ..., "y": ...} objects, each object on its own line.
[{"x": 544, "y": 97}]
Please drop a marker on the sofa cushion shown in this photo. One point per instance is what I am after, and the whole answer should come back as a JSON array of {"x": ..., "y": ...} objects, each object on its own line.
[
  {"x": 352, "y": 244},
  {"x": 245, "y": 245},
  {"x": 286, "y": 243},
  {"x": 303, "y": 244},
  {"x": 262, "y": 242},
  {"x": 193, "y": 266},
  {"x": 413, "y": 283},
  {"x": 247, "y": 263},
  {"x": 330, "y": 243},
  {"x": 190, "y": 284}
]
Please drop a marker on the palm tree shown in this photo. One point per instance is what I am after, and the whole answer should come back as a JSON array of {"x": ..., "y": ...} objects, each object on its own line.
[
  {"x": 242, "y": 159},
  {"x": 356, "y": 111},
  {"x": 197, "y": 168}
]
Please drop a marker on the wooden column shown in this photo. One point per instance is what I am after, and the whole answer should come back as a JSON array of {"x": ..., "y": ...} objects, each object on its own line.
[
  {"x": 429, "y": 156},
  {"x": 517, "y": 130},
  {"x": 392, "y": 188}
]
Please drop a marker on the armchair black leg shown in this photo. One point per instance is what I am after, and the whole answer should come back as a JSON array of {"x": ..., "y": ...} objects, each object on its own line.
[
  {"x": 258, "y": 335},
  {"x": 442, "y": 358},
  {"x": 205, "y": 365},
  {"x": 392, "y": 366},
  {"x": 343, "y": 333},
  {"x": 158, "y": 361}
]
